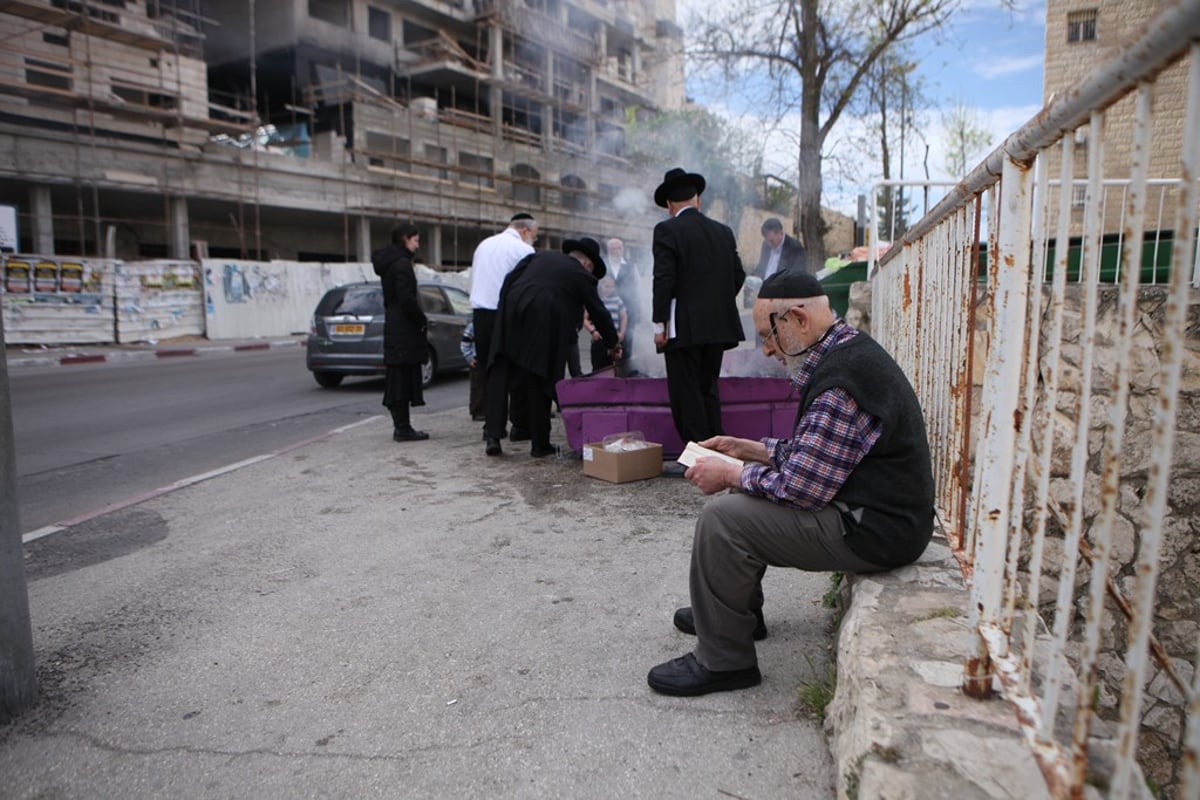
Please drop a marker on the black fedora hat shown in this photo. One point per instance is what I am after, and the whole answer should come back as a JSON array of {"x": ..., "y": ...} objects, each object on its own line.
[
  {"x": 591, "y": 249},
  {"x": 675, "y": 178}
]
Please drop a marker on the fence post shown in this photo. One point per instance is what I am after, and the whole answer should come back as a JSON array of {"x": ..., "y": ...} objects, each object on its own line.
[
  {"x": 18, "y": 684},
  {"x": 1008, "y": 281}
]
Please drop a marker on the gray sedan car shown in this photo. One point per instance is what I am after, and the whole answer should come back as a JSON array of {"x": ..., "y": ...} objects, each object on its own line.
[{"x": 346, "y": 333}]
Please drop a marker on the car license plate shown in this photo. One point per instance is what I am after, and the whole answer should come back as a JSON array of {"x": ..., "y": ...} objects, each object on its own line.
[{"x": 349, "y": 329}]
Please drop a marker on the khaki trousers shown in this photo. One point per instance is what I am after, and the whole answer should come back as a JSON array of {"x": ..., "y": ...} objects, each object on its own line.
[{"x": 737, "y": 537}]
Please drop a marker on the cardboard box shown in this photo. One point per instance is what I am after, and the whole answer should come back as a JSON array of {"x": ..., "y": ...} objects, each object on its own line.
[{"x": 624, "y": 466}]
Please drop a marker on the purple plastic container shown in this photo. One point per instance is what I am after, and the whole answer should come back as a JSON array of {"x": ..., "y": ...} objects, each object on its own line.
[{"x": 596, "y": 406}]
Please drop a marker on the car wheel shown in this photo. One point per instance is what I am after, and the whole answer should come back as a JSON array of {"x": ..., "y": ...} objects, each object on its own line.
[
  {"x": 328, "y": 379},
  {"x": 429, "y": 369}
]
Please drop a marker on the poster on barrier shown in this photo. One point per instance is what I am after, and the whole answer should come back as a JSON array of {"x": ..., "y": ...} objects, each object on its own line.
[
  {"x": 70, "y": 277},
  {"x": 45, "y": 276},
  {"x": 16, "y": 276}
]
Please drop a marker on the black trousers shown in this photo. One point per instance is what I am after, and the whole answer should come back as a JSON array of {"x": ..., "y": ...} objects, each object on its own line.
[
  {"x": 485, "y": 324},
  {"x": 532, "y": 389},
  {"x": 503, "y": 397},
  {"x": 692, "y": 374}
]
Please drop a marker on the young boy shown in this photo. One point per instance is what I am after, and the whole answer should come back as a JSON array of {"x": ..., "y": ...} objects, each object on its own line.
[{"x": 620, "y": 317}]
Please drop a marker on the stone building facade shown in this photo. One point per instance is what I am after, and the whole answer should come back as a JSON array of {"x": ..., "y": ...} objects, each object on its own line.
[{"x": 1081, "y": 37}]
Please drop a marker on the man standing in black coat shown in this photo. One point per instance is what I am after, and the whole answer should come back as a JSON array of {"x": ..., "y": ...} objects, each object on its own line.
[
  {"x": 779, "y": 251},
  {"x": 541, "y": 303},
  {"x": 697, "y": 276},
  {"x": 405, "y": 347}
]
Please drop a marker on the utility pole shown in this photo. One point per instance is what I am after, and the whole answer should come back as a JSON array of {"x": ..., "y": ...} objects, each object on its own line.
[{"x": 18, "y": 685}]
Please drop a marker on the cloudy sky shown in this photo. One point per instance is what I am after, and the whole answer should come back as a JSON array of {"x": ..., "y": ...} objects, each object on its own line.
[{"x": 989, "y": 59}]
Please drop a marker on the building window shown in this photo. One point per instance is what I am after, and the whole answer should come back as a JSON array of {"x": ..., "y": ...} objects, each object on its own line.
[
  {"x": 76, "y": 7},
  {"x": 414, "y": 33},
  {"x": 526, "y": 184},
  {"x": 47, "y": 74},
  {"x": 1079, "y": 196},
  {"x": 388, "y": 152},
  {"x": 336, "y": 12},
  {"x": 1081, "y": 26},
  {"x": 435, "y": 155},
  {"x": 140, "y": 96},
  {"x": 574, "y": 193},
  {"x": 476, "y": 171},
  {"x": 379, "y": 24},
  {"x": 54, "y": 37}
]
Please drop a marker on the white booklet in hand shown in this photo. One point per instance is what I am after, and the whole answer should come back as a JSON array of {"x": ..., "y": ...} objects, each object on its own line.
[{"x": 693, "y": 452}]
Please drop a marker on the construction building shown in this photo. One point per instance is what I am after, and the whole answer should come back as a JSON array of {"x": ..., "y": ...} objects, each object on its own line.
[{"x": 306, "y": 129}]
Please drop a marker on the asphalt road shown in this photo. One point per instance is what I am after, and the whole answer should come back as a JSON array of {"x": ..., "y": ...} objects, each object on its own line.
[{"x": 91, "y": 435}]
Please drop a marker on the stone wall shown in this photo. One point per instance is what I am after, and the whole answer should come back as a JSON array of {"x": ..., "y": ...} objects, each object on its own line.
[{"x": 1177, "y": 607}]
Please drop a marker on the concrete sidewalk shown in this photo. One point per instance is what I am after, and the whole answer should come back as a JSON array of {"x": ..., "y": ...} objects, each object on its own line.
[{"x": 359, "y": 618}]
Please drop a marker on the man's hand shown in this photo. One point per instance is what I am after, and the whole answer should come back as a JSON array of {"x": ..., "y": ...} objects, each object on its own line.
[
  {"x": 660, "y": 340},
  {"x": 616, "y": 354},
  {"x": 711, "y": 475}
]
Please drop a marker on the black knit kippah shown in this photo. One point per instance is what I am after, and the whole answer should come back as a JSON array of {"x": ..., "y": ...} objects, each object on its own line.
[
  {"x": 791, "y": 284},
  {"x": 521, "y": 216}
]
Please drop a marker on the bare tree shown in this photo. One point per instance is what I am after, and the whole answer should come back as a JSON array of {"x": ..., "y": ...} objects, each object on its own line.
[
  {"x": 814, "y": 56},
  {"x": 891, "y": 97},
  {"x": 966, "y": 139}
]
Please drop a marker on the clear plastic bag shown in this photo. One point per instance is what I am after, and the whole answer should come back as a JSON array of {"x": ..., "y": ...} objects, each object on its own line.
[{"x": 622, "y": 442}]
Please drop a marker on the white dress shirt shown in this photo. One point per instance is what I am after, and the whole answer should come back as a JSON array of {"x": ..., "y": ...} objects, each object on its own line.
[
  {"x": 494, "y": 258},
  {"x": 773, "y": 261}
]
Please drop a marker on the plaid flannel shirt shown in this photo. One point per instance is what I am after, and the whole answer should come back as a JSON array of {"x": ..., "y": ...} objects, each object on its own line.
[{"x": 829, "y": 441}]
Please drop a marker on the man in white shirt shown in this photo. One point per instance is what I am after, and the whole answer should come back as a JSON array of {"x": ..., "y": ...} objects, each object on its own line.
[{"x": 494, "y": 258}]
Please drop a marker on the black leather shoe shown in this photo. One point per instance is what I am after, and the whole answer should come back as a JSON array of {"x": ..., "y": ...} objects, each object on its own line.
[
  {"x": 685, "y": 677},
  {"x": 542, "y": 452},
  {"x": 409, "y": 435},
  {"x": 686, "y": 623},
  {"x": 492, "y": 446},
  {"x": 518, "y": 434}
]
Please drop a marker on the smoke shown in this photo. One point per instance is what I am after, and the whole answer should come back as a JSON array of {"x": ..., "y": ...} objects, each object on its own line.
[{"x": 631, "y": 202}]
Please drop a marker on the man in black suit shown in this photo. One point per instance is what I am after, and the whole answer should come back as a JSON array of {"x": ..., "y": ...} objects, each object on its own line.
[
  {"x": 541, "y": 303},
  {"x": 697, "y": 276},
  {"x": 779, "y": 251}
]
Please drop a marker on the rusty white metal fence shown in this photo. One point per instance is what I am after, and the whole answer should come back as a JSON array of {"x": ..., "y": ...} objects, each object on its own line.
[{"x": 993, "y": 438}]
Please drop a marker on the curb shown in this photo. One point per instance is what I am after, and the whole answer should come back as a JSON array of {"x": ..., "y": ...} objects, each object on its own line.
[
  {"x": 899, "y": 725},
  {"x": 137, "y": 355}
]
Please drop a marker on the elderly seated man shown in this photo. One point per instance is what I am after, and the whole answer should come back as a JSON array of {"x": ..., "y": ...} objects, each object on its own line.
[{"x": 851, "y": 490}]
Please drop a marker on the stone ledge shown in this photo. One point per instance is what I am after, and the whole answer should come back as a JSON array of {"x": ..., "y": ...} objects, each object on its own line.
[{"x": 899, "y": 726}]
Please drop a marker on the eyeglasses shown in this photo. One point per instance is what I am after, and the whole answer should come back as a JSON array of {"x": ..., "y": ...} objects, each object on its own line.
[{"x": 774, "y": 318}]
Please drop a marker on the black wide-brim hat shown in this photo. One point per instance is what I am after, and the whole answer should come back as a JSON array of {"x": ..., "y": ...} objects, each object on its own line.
[
  {"x": 674, "y": 178},
  {"x": 591, "y": 249}
]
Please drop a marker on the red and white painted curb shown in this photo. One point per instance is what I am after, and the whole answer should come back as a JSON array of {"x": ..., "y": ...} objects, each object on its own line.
[{"x": 109, "y": 356}]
